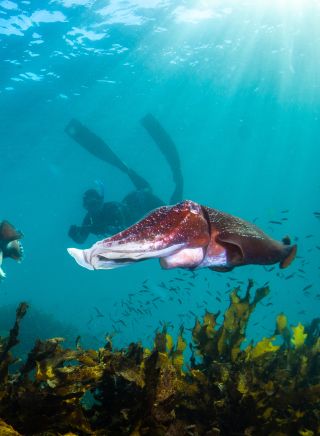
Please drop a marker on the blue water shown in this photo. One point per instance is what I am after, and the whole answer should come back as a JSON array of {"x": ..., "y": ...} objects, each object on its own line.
[{"x": 237, "y": 86}]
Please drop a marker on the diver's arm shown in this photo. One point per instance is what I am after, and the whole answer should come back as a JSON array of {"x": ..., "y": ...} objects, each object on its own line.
[{"x": 80, "y": 233}]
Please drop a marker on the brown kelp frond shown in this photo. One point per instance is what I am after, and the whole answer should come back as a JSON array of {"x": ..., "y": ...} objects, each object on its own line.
[
  {"x": 6, "y": 344},
  {"x": 271, "y": 387},
  {"x": 224, "y": 343}
]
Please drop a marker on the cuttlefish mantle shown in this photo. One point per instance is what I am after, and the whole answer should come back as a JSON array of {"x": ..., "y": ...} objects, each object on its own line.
[{"x": 188, "y": 235}]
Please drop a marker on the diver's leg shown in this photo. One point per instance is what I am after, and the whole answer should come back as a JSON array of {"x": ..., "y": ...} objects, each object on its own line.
[
  {"x": 169, "y": 150},
  {"x": 96, "y": 146}
]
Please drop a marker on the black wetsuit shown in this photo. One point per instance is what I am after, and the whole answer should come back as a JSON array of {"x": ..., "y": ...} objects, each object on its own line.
[{"x": 115, "y": 216}]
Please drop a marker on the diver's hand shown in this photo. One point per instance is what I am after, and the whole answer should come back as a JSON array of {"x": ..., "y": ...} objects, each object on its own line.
[
  {"x": 74, "y": 232},
  {"x": 79, "y": 233}
]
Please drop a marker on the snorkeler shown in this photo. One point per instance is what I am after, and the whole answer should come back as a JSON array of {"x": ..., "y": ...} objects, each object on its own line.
[
  {"x": 10, "y": 245},
  {"x": 107, "y": 218}
]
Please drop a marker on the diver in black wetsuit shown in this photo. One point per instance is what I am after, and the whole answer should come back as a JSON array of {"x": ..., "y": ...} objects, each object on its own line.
[{"x": 107, "y": 218}]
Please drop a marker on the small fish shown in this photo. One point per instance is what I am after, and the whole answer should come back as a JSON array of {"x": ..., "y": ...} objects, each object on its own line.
[
  {"x": 99, "y": 314},
  {"x": 120, "y": 321},
  {"x": 289, "y": 276},
  {"x": 285, "y": 211},
  {"x": 275, "y": 222},
  {"x": 218, "y": 299},
  {"x": 307, "y": 287},
  {"x": 90, "y": 320},
  {"x": 269, "y": 269}
]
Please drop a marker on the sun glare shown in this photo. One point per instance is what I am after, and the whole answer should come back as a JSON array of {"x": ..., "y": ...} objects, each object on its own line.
[{"x": 288, "y": 5}]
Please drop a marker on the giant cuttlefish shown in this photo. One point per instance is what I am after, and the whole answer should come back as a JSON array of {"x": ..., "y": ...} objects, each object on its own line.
[
  {"x": 10, "y": 245},
  {"x": 188, "y": 235}
]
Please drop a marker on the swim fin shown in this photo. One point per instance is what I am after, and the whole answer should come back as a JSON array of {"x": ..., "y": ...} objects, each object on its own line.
[
  {"x": 169, "y": 150},
  {"x": 96, "y": 146}
]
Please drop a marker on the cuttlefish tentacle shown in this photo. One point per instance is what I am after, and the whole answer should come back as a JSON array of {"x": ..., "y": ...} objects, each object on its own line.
[{"x": 188, "y": 235}]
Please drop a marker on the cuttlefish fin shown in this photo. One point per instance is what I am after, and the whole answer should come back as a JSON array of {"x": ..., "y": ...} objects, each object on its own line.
[
  {"x": 8, "y": 232},
  {"x": 257, "y": 249},
  {"x": 291, "y": 254},
  {"x": 235, "y": 253}
]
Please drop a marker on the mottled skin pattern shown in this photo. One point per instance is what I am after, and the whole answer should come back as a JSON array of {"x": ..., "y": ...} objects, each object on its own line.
[
  {"x": 188, "y": 235},
  {"x": 180, "y": 224}
]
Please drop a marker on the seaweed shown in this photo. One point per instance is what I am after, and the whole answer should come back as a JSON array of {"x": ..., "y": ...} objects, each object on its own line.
[{"x": 226, "y": 387}]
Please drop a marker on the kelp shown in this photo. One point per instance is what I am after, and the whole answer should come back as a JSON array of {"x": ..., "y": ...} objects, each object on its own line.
[{"x": 226, "y": 387}]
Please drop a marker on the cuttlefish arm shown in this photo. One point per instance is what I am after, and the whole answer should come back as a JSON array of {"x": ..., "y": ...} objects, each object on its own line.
[{"x": 187, "y": 235}]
